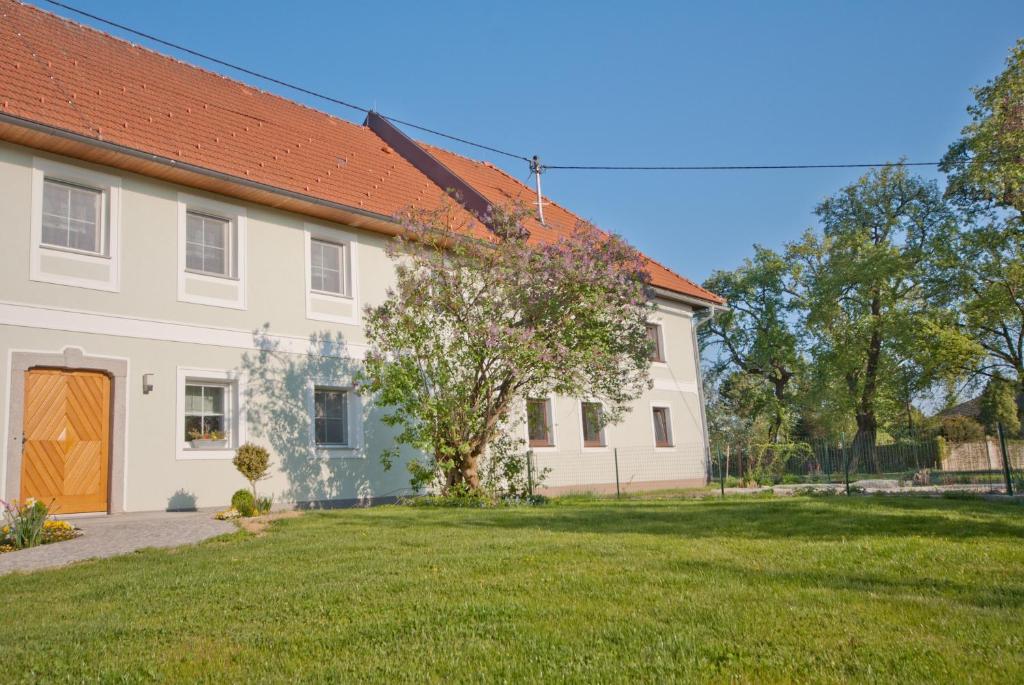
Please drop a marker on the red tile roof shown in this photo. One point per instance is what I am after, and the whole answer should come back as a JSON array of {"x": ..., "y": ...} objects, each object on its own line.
[
  {"x": 68, "y": 76},
  {"x": 502, "y": 189}
]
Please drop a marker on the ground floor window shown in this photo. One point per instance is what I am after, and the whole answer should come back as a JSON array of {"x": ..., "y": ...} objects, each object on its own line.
[
  {"x": 538, "y": 423},
  {"x": 330, "y": 416},
  {"x": 593, "y": 430},
  {"x": 662, "y": 427},
  {"x": 206, "y": 407}
]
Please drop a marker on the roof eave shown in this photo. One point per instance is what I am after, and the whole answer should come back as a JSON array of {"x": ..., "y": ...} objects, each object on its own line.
[
  {"x": 60, "y": 141},
  {"x": 695, "y": 302}
]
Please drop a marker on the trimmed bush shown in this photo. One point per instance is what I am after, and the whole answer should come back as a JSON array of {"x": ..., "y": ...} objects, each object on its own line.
[
  {"x": 253, "y": 462},
  {"x": 244, "y": 503}
]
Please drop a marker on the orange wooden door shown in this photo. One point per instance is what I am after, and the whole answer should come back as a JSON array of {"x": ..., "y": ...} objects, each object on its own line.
[{"x": 66, "y": 439}]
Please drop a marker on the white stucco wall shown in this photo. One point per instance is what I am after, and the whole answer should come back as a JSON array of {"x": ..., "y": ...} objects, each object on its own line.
[{"x": 146, "y": 322}]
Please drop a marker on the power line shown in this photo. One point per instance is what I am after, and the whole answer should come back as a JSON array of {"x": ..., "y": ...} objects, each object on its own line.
[
  {"x": 726, "y": 167},
  {"x": 271, "y": 79},
  {"x": 545, "y": 167}
]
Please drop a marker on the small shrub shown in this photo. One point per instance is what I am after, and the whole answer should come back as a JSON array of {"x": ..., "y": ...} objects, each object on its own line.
[
  {"x": 244, "y": 503},
  {"x": 263, "y": 504},
  {"x": 253, "y": 462},
  {"x": 791, "y": 479},
  {"x": 25, "y": 521},
  {"x": 732, "y": 482}
]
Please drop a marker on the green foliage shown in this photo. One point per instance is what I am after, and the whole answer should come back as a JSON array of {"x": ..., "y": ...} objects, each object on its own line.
[
  {"x": 473, "y": 327},
  {"x": 756, "y": 336},
  {"x": 962, "y": 429},
  {"x": 505, "y": 470},
  {"x": 865, "y": 285},
  {"x": 253, "y": 462},
  {"x": 244, "y": 503},
  {"x": 986, "y": 165},
  {"x": 999, "y": 406},
  {"x": 263, "y": 504},
  {"x": 23, "y": 523}
]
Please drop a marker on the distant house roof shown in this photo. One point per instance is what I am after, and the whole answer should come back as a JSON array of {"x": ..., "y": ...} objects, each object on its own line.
[
  {"x": 76, "y": 80},
  {"x": 970, "y": 408}
]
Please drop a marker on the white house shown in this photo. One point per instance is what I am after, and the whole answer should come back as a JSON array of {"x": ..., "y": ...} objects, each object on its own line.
[{"x": 184, "y": 262}]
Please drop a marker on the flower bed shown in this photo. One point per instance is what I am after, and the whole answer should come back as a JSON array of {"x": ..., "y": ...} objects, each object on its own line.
[{"x": 29, "y": 524}]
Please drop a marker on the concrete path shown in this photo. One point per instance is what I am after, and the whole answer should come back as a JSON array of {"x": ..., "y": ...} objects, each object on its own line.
[{"x": 108, "y": 536}]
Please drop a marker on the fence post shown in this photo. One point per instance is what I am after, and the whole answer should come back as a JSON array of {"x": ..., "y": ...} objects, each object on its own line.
[
  {"x": 529, "y": 472},
  {"x": 618, "y": 492},
  {"x": 1006, "y": 459},
  {"x": 846, "y": 461},
  {"x": 721, "y": 472}
]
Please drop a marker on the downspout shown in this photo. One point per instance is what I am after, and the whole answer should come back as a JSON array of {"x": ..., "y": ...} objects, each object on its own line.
[{"x": 699, "y": 319}]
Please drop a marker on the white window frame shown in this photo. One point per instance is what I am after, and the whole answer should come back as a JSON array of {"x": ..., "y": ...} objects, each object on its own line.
[
  {"x": 343, "y": 267},
  {"x": 604, "y": 429},
  {"x": 230, "y": 262},
  {"x": 354, "y": 448},
  {"x": 348, "y": 242},
  {"x": 237, "y": 241},
  {"x": 234, "y": 412},
  {"x": 671, "y": 428},
  {"x": 109, "y": 226},
  {"x": 551, "y": 424}
]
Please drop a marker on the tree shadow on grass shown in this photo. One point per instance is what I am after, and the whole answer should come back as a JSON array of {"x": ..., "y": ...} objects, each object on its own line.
[{"x": 776, "y": 519}]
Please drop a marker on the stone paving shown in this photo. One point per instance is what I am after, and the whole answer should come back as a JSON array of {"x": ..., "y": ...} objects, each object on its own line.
[{"x": 108, "y": 536}]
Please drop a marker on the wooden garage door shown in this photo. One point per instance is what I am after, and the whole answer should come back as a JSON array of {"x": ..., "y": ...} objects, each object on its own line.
[{"x": 66, "y": 439}]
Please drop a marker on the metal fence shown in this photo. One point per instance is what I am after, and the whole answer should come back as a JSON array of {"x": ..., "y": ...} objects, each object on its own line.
[
  {"x": 993, "y": 464},
  {"x": 619, "y": 469}
]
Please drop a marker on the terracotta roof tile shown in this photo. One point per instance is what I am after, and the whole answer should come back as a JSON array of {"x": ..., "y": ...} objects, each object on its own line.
[
  {"x": 501, "y": 188},
  {"x": 62, "y": 74}
]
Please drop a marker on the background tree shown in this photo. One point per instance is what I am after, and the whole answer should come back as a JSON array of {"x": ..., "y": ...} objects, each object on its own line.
[
  {"x": 755, "y": 335},
  {"x": 472, "y": 328},
  {"x": 986, "y": 165},
  {"x": 864, "y": 286},
  {"x": 984, "y": 267},
  {"x": 999, "y": 406}
]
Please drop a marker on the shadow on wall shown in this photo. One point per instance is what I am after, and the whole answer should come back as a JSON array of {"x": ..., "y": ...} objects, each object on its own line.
[
  {"x": 182, "y": 500},
  {"x": 279, "y": 399}
]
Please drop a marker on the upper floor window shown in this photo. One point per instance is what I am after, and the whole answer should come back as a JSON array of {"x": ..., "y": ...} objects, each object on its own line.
[
  {"x": 332, "y": 277},
  {"x": 328, "y": 267},
  {"x": 72, "y": 216},
  {"x": 208, "y": 244},
  {"x": 593, "y": 424},
  {"x": 538, "y": 423},
  {"x": 211, "y": 252},
  {"x": 75, "y": 226},
  {"x": 657, "y": 349}
]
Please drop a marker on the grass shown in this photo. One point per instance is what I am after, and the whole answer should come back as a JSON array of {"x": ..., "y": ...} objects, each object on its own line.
[{"x": 765, "y": 589}]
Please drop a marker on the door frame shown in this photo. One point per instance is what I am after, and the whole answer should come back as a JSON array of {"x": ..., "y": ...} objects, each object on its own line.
[{"x": 69, "y": 359}]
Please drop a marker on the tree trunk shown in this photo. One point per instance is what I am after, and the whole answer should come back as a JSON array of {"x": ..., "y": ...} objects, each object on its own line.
[{"x": 867, "y": 422}]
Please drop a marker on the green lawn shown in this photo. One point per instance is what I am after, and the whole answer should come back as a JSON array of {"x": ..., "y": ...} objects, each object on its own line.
[{"x": 820, "y": 589}]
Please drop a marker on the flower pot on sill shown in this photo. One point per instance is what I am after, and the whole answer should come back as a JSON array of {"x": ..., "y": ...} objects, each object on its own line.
[{"x": 208, "y": 444}]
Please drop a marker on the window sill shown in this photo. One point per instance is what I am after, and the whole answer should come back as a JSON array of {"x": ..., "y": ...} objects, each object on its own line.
[
  {"x": 207, "y": 274},
  {"x": 207, "y": 453},
  {"x": 74, "y": 251},
  {"x": 327, "y": 293}
]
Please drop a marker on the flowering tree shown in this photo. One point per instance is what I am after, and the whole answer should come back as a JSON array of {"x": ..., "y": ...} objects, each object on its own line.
[{"x": 473, "y": 327}]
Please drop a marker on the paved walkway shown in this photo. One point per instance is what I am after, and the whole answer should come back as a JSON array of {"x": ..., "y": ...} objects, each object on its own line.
[{"x": 108, "y": 536}]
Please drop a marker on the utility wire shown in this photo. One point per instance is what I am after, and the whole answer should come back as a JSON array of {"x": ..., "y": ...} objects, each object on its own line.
[
  {"x": 279, "y": 82},
  {"x": 544, "y": 167},
  {"x": 725, "y": 167}
]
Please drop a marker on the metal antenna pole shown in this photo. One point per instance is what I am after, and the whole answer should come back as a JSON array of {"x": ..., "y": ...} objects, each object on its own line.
[{"x": 536, "y": 168}]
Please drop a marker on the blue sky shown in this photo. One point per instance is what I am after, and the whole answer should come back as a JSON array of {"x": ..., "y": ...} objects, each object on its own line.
[{"x": 633, "y": 83}]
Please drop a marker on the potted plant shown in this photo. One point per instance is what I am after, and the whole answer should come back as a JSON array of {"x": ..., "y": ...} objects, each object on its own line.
[{"x": 209, "y": 440}]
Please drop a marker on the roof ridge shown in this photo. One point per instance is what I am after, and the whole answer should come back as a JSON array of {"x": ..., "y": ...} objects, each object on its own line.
[{"x": 170, "y": 58}]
